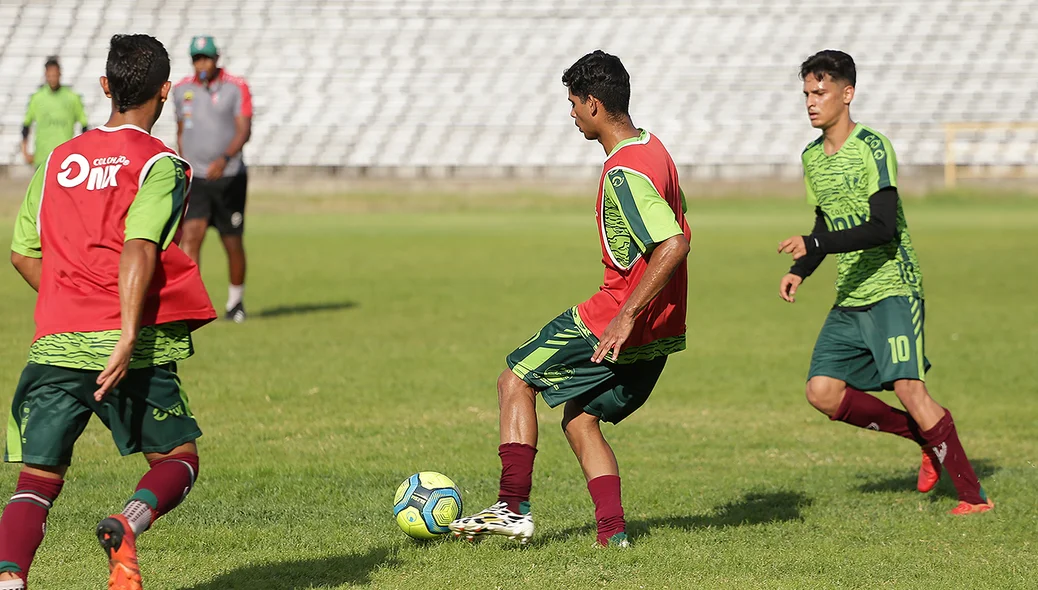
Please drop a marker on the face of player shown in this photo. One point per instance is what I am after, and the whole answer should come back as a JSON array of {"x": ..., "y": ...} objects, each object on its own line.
[
  {"x": 205, "y": 67},
  {"x": 583, "y": 115},
  {"x": 53, "y": 77},
  {"x": 827, "y": 100}
]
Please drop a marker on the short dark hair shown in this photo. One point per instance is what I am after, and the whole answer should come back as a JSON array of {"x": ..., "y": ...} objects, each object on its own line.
[
  {"x": 137, "y": 67},
  {"x": 603, "y": 76},
  {"x": 52, "y": 62},
  {"x": 837, "y": 64}
]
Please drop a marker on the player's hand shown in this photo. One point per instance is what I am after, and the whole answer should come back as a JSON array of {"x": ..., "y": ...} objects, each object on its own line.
[
  {"x": 27, "y": 156},
  {"x": 788, "y": 287},
  {"x": 616, "y": 333},
  {"x": 215, "y": 171},
  {"x": 118, "y": 366},
  {"x": 794, "y": 246}
]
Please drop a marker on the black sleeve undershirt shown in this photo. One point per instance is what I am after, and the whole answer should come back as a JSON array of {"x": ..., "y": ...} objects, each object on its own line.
[
  {"x": 25, "y": 132},
  {"x": 879, "y": 229},
  {"x": 806, "y": 265}
]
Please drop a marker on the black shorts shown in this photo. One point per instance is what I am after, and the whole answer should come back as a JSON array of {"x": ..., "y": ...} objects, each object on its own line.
[{"x": 220, "y": 202}]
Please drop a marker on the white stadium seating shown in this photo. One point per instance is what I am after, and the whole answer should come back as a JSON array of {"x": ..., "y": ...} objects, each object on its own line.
[{"x": 456, "y": 84}]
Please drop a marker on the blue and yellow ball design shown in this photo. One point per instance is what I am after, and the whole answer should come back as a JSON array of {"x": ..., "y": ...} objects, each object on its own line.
[{"x": 425, "y": 504}]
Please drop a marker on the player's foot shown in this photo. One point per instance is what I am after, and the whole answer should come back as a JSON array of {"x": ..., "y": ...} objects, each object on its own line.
[
  {"x": 496, "y": 520},
  {"x": 11, "y": 581},
  {"x": 236, "y": 314},
  {"x": 965, "y": 508},
  {"x": 120, "y": 545},
  {"x": 619, "y": 540},
  {"x": 929, "y": 472}
]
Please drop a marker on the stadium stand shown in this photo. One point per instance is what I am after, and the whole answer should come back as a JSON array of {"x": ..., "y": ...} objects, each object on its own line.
[{"x": 460, "y": 84}]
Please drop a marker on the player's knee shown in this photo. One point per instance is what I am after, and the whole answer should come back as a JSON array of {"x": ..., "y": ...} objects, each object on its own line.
[
  {"x": 910, "y": 391},
  {"x": 823, "y": 395},
  {"x": 510, "y": 386}
]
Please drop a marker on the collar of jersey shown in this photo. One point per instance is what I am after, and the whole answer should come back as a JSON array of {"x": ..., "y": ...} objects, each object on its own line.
[
  {"x": 643, "y": 137},
  {"x": 122, "y": 127},
  {"x": 854, "y": 133}
]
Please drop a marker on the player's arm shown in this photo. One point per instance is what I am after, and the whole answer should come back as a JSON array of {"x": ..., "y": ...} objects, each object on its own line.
[
  {"x": 151, "y": 223},
  {"x": 804, "y": 266},
  {"x": 242, "y": 131},
  {"x": 654, "y": 228},
  {"x": 26, "y": 250},
  {"x": 81, "y": 117},
  {"x": 30, "y": 116},
  {"x": 879, "y": 229}
]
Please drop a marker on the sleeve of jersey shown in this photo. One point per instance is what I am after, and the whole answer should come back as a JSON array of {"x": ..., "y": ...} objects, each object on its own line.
[
  {"x": 647, "y": 215},
  {"x": 809, "y": 191},
  {"x": 244, "y": 107},
  {"x": 882, "y": 165},
  {"x": 26, "y": 239},
  {"x": 156, "y": 210},
  {"x": 81, "y": 112},
  {"x": 30, "y": 113}
]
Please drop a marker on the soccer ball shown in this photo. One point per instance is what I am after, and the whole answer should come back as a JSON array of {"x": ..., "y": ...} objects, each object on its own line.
[{"x": 425, "y": 504}]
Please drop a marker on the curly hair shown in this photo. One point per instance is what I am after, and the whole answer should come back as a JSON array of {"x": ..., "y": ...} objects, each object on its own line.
[
  {"x": 603, "y": 76},
  {"x": 137, "y": 67}
]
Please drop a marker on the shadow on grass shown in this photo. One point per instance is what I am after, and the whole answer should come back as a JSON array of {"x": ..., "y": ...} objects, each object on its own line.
[
  {"x": 752, "y": 509},
  {"x": 304, "y": 308},
  {"x": 353, "y": 569},
  {"x": 984, "y": 468}
]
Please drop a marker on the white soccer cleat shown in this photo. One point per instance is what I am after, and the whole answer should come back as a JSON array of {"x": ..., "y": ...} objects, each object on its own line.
[{"x": 496, "y": 520}]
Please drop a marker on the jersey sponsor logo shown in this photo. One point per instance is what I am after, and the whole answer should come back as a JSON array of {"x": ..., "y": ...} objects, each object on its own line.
[
  {"x": 847, "y": 221},
  {"x": 617, "y": 179},
  {"x": 189, "y": 95},
  {"x": 876, "y": 145},
  {"x": 76, "y": 169}
]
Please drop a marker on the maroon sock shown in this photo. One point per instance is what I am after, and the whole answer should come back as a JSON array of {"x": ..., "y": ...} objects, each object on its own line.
[
  {"x": 609, "y": 512},
  {"x": 516, "y": 475},
  {"x": 161, "y": 489},
  {"x": 24, "y": 522},
  {"x": 944, "y": 440},
  {"x": 868, "y": 411}
]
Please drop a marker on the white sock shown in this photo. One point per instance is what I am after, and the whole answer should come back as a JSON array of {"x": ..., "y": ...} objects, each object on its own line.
[
  {"x": 138, "y": 514},
  {"x": 235, "y": 293}
]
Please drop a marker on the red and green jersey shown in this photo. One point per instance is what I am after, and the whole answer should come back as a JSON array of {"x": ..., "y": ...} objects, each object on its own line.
[
  {"x": 94, "y": 193},
  {"x": 640, "y": 204}
]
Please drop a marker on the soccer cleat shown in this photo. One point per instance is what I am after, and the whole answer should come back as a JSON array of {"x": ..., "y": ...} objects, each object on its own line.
[
  {"x": 965, "y": 508},
  {"x": 236, "y": 314},
  {"x": 929, "y": 472},
  {"x": 120, "y": 545},
  {"x": 16, "y": 584},
  {"x": 619, "y": 540},
  {"x": 496, "y": 520}
]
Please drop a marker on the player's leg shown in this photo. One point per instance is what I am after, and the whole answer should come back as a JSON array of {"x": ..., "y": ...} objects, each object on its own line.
[
  {"x": 148, "y": 413},
  {"x": 843, "y": 367},
  {"x": 229, "y": 219},
  {"x": 44, "y": 424},
  {"x": 612, "y": 402},
  {"x": 899, "y": 345},
  {"x": 196, "y": 219},
  {"x": 547, "y": 365}
]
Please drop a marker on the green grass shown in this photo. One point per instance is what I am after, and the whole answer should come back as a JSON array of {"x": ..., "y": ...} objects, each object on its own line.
[{"x": 375, "y": 340}]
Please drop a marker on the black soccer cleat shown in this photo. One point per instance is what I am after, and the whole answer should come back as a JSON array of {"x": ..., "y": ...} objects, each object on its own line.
[{"x": 236, "y": 314}]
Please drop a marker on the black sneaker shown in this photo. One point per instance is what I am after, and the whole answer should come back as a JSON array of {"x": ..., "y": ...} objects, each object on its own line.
[{"x": 236, "y": 313}]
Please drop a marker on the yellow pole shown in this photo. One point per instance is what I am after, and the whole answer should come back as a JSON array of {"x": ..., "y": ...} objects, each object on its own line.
[{"x": 949, "y": 155}]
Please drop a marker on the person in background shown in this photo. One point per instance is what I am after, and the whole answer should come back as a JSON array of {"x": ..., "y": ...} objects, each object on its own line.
[{"x": 55, "y": 110}]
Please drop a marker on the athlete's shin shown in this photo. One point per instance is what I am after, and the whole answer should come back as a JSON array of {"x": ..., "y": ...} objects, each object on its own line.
[
  {"x": 161, "y": 489},
  {"x": 24, "y": 521},
  {"x": 868, "y": 411},
  {"x": 943, "y": 439},
  {"x": 609, "y": 512}
]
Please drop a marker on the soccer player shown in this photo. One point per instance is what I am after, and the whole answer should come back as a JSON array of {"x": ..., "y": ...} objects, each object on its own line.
[
  {"x": 117, "y": 303},
  {"x": 214, "y": 120},
  {"x": 872, "y": 339},
  {"x": 603, "y": 357},
  {"x": 55, "y": 109}
]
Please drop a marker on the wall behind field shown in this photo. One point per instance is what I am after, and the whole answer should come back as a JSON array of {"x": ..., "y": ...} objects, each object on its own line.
[{"x": 469, "y": 88}]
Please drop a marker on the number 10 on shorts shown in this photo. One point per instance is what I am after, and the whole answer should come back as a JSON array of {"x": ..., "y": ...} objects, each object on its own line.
[{"x": 900, "y": 349}]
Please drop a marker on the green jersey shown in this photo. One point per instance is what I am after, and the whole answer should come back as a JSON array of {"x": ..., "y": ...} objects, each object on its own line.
[
  {"x": 154, "y": 216},
  {"x": 55, "y": 113},
  {"x": 840, "y": 185}
]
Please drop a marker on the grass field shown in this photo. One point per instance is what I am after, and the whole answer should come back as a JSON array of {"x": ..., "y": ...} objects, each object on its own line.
[{"x": 379, "y": 325}]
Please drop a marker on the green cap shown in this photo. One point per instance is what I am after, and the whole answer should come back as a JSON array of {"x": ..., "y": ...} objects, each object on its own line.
[{"x": 203, "y": 45}]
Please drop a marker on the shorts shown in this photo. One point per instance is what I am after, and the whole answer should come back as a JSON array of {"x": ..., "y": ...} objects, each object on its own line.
[
  {"x": 220, "y": 202},
  {"x": 147, "y": 413},
  {"x": 557, "y": 363},
  {"x": 872, "y": 348}
]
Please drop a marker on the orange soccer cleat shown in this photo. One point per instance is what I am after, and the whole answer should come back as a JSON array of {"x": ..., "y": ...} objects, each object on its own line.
[
  {"x": 965, "y": 508},
  {"x": 929, "y": 472},
  {"x": 120, "y": 545}
]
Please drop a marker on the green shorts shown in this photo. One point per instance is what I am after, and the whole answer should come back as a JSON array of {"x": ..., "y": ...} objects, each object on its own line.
[
  {"x": 147, "y": 413},
  {"x": 872, "y": 348},
  {"x": 557, "y": 363}
]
